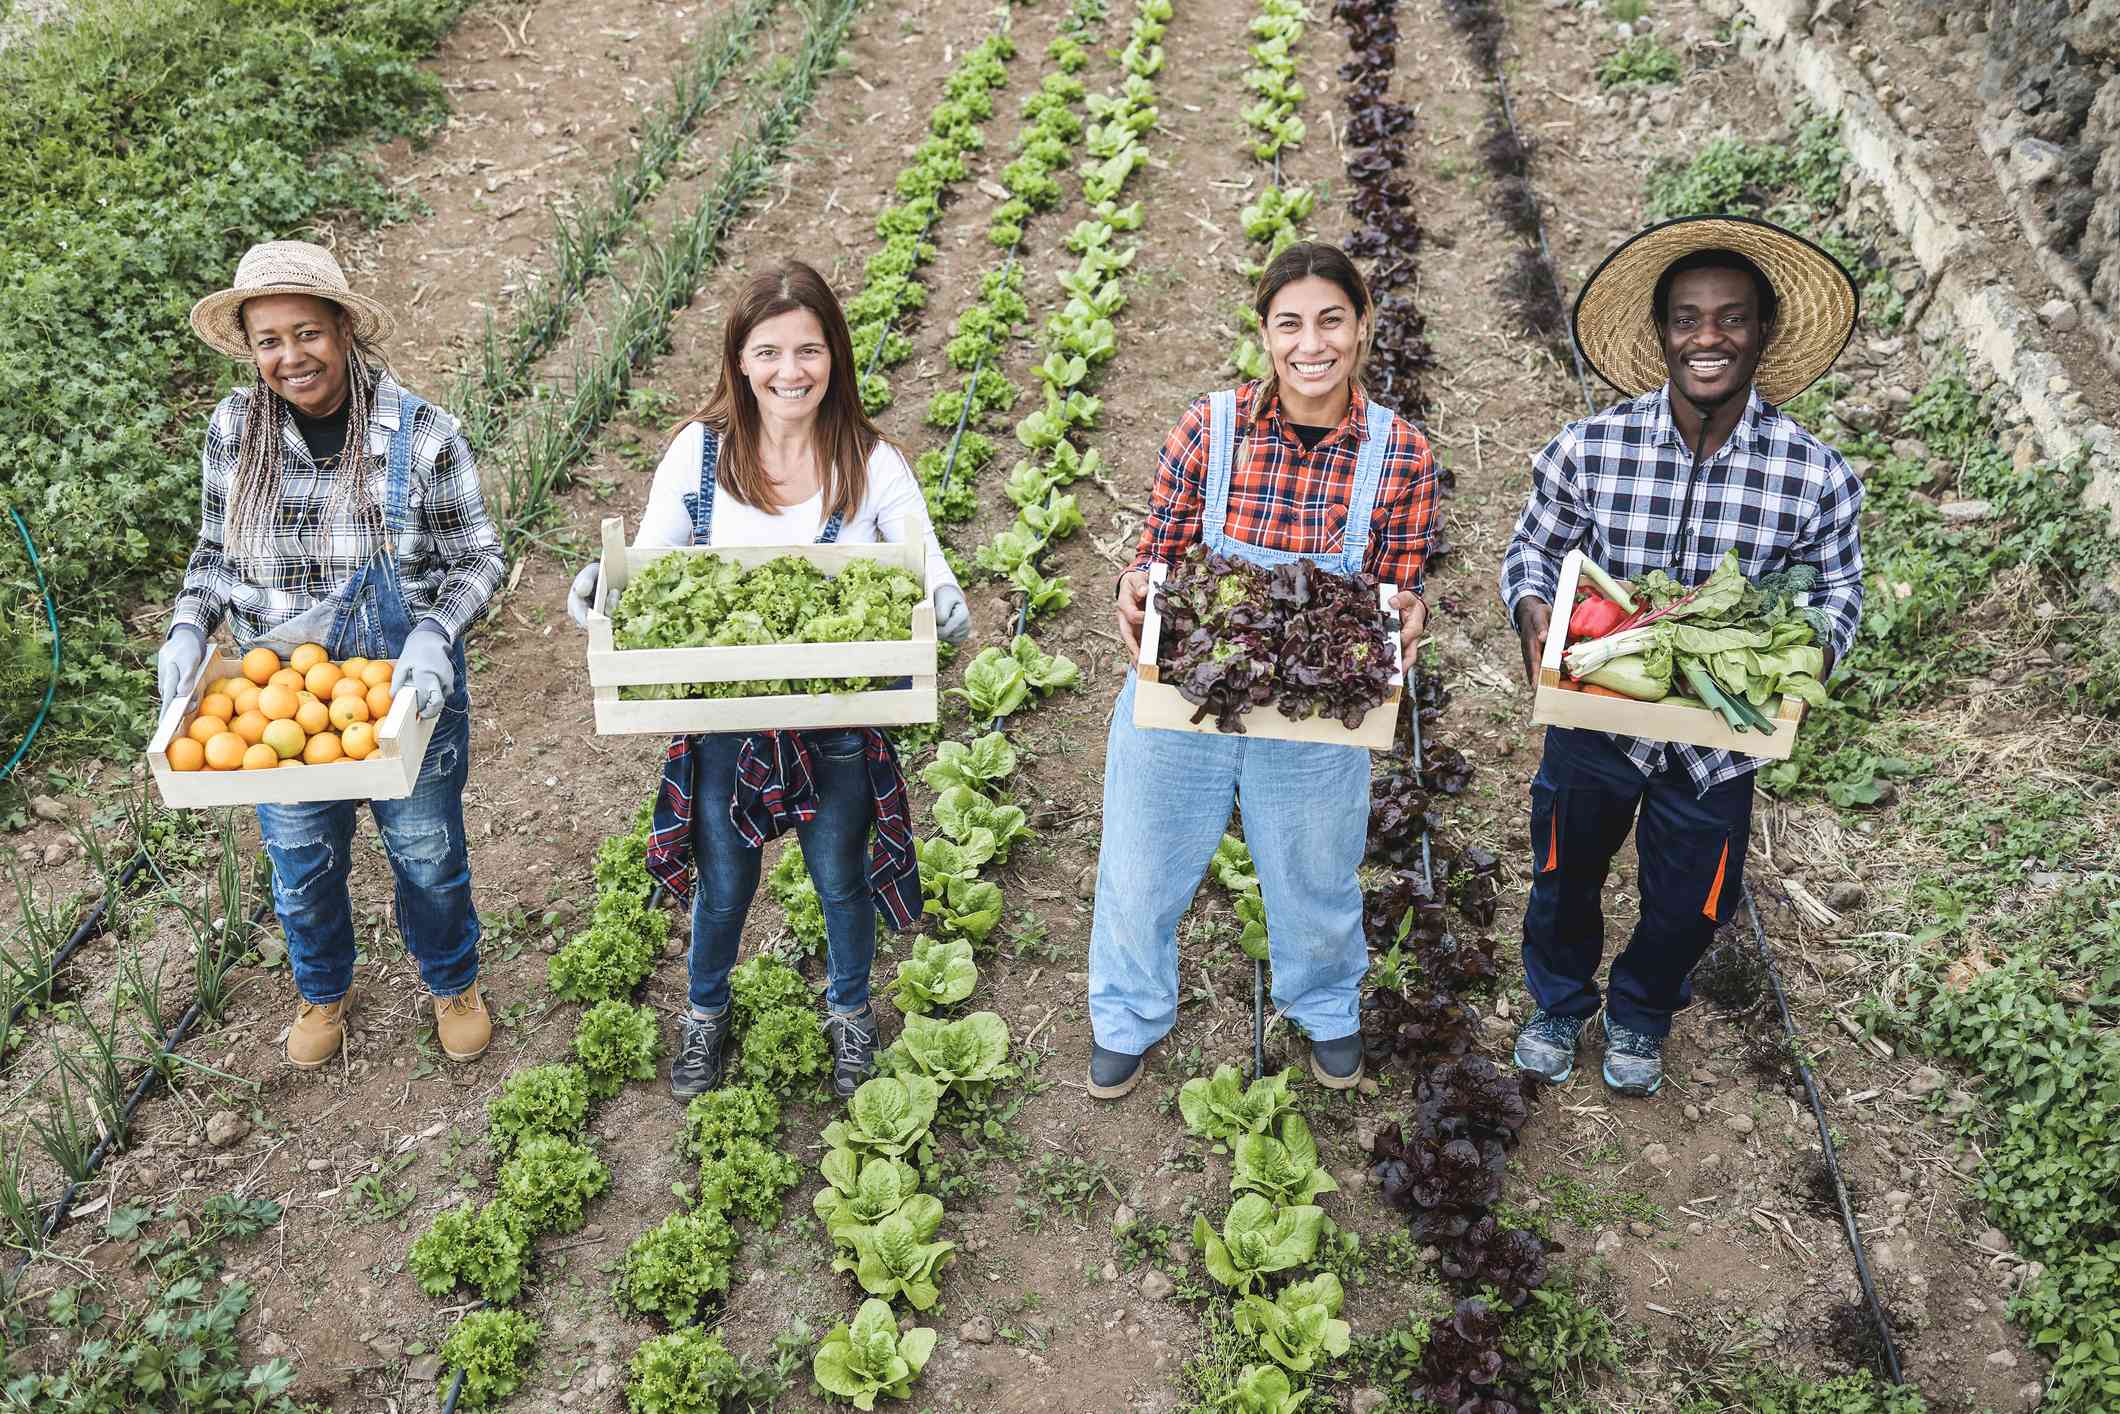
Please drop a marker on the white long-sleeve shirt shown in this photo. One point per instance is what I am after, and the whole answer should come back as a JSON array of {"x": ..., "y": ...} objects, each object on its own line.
[{"x": 892, "y": 511}]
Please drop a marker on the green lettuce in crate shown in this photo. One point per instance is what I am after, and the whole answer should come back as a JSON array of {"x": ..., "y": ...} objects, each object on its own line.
[{"x": 711, "y": 601}]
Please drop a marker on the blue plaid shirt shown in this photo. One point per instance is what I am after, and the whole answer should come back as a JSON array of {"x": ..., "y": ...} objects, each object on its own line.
[{"x": 1615, "y": 485}]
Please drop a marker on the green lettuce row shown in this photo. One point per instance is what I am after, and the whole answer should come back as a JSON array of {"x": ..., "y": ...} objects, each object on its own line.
[{"x": 1274, "y": 221}]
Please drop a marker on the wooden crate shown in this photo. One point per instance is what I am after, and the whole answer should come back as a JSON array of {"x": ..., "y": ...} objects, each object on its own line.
[
  {"x": 1557, "y": 706},
  {"x": 611, "y": 668},
  {"x": 1161, "y": 706},
  {"x": 388, "y": 773}
]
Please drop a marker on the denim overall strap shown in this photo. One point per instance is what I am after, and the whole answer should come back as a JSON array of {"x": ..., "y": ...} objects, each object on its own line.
[
  {"x": 1221, "y": 452},
  {"x": 701, "y": 502},
  {"x": 1362, "y": 502},
  {"x": 373, "y": 618},
  {"x": 830, "y": 534}
]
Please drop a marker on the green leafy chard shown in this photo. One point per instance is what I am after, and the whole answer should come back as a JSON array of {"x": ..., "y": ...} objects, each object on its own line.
[{"x": 870, "y": 1358}]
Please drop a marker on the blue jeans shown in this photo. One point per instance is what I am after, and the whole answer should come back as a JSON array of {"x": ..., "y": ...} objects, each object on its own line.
[
  {"x": 311, "y": 848},
  {"x": 1167, "y": 797},
  {"x": 1691, "y": 851},
  {"x": 835, "y": 845}
]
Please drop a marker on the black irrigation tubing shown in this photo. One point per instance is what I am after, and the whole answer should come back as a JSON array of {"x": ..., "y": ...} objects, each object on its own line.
[
  {"x": 971, "y": 385},
  {"x": 1886, "y": 1349},
  {"x": 90, "y": 926},
  {"x": 1582, "y": 374}
]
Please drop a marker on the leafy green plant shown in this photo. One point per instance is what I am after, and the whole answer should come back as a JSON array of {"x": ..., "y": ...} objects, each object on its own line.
[
  {"x": 997, "y": 682},
  {"x": 1258, "y": 1239},
  {"x": 1264, "y": 1389},
  {"x": 493, "y": 1350},
  {"x": 868, "y": 1358},
  {"x": 796, "y": 893},
  {"x": 895, "y": 1257},
  {"x": 550, "y": 1182},
  {"x": 1560, "y": 1340},
  {"x": 964, "y": 905},
  {"x": 616, "y": 1042},
  {"x": 1298, "y": 1327},
  {"x": 888, "y": 1115},
  {"x": 719, "y": 1118},
  {"x": 970, "y": 1051},
  {"x": 1641, "y": 62},
  {"x": 981, "y": 766},
  {"x": 542, "y": 1100},
  {"x": 612, "y": 956},
  {"x": 783, "y": 1048},
  {"x": 1284, "y": 1169},
  {"x": 687, "y": 1371},
  {"x": 765, "y": 984},
  {"x": 482, "y": 1247},
  {"x": 674, "y": 1269},
  {"x": 747, "y": 1177},
  {"x": 1223, "y": 1106},
  {"x": 938, "y": 973},
  {"x": 860, "y": 1192}
]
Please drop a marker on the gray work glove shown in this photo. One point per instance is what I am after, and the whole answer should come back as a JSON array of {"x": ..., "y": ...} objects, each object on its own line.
[
  {"x": 425, "y": 665},
  {"x": 177, "y": 662},
  {"x": 953, "y": 621},
  {"x": 583, "y": 593}
]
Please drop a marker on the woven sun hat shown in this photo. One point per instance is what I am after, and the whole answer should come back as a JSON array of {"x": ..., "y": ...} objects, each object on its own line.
[
  {"x": 1615, "y": 326},
  {"x": 284, "y": 268}
]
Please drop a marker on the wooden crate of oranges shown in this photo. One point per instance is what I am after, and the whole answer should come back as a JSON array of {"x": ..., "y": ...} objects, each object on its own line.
[{"x": 233, "y": 739}]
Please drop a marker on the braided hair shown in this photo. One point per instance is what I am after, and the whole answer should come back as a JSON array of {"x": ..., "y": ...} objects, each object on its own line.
[{"x": 261, "y": 455}]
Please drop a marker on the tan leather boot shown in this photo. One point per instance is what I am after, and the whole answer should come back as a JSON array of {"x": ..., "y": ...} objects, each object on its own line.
[
  {"x": 462, "y": 1025},
  {"x": 318, "y": 1032}
]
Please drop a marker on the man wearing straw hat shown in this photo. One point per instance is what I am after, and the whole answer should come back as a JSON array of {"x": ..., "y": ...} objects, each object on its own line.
[
  {"x": 342, "y": 510},
  {"x": 1708, "y": 324}
]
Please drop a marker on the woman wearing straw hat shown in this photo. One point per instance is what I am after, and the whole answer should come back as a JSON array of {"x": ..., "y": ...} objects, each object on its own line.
[
  {"x": 1708, "y": 324},
  {"x": 342, "y": 510}
]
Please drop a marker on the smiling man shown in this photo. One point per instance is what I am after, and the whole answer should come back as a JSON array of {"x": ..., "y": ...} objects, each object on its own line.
[{"x": 1708, "y": 324}]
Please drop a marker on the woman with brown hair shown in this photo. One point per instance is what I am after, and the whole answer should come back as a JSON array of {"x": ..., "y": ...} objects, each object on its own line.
[
  {"x": 783, "y": 454},
  {"x": 1298, "y": 465}
]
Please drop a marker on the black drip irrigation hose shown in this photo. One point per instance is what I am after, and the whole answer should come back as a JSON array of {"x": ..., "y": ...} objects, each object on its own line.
[
  {"x": 85, "y": 931},
  {"x": 1887, "y": 1350}
]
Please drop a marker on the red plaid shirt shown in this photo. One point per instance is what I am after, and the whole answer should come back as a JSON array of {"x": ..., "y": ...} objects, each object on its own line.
[{"x": 1284, "y": 498}]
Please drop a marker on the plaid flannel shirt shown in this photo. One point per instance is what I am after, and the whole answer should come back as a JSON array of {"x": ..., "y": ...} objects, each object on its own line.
[
  {"x": 1282, "y": 497},
  {"x": 449, "y": 565},
  {"x": 1614, "y": 484}
]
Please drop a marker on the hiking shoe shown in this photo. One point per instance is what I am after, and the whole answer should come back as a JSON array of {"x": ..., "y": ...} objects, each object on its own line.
[
  {"x": 1634, "y": 1061},
  {"x": 697, "y": 1066},
  {"x": 1337, "y": 1064},
  {"x": 319, "y": 1030},
  {"x": 1112, "y": 1074},
  {"x": 853, "y": 1040},
  {"x": 1546, "y": 1045},
  {"x": 462, "y": 1026}
]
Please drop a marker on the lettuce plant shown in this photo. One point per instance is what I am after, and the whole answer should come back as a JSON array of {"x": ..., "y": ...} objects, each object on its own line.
[
  {"x": 860, "y": 1192},
  {"x": 1286, "y": 1169},
  {"x": 962, "y": 813},
  {"x": 981, "y": 766},
  {"x": 783, "y": 1047},
  {"x": 616, "y": 1042},
  {"x": 1222, "y": 1107},
  {"x": 762, "y": 984},
  {"x": 491, "y": 1348},
  {"x": 894, "y": 1256},
  {"x": 685, "y": 1372},
  {"x": 1510, "y": 1260},
  {"x": 868, "y": 1357},
  {"x": 608, "y": 960},
  {"x": 1462, "y": 1366},
  {"x": 483, "y": 1247},
  {"x": 937, "y": 974},
  {"x": 747, "y": 1177},
  {"x": 888, "y": 1115},
  {"x": 1263, "y": 1389},
  {"x": 1297, "y": 1328},
  {"x": 1258, "y": 1239},
  {"x": 719, "y": 1118},
  {"x": 550, "y": 1182},
  {"x": 796, "y": 893},
  {"x": 673, "y": 1270},
  {"x": 971, "y": 1050},
  {"x": 544, "y": 1099}
]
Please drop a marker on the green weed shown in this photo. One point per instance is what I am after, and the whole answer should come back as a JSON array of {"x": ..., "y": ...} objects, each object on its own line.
[{"x": 1641, "y": 62}]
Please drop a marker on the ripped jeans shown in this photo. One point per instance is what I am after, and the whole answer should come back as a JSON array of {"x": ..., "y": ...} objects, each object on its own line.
[{"x": 423, "y": 835}]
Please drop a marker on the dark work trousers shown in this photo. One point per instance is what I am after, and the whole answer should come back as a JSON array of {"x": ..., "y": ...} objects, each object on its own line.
[{"x": 1584, "y": 799}]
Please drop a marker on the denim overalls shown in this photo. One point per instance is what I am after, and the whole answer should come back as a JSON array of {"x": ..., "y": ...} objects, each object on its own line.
[
  {"x": 311, "y": 844},
  {"x": 834, "y": 844},
  {"x": 1166, "y": 805}
]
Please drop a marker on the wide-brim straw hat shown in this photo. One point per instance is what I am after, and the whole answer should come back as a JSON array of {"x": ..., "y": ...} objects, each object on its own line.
[
  {"x": 284, "y": 268},
  {"x": 1615, "y": 326}
]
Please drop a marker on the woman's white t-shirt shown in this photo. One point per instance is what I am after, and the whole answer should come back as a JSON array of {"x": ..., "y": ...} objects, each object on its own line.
[{"x": 892, "y": 512}]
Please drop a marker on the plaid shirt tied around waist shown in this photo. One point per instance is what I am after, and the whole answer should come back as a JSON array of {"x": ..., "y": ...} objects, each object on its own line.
[
  {"x": 776, "y": 789},
  {"x": 1282, "y": 497},
  {"x": 1615, "y": 485}
]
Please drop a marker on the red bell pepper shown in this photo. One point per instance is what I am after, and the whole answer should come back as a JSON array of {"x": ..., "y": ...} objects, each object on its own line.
[{"x": 1594, "y": 617}]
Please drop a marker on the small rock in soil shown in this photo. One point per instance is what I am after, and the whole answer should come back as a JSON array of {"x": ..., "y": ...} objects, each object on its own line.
[
  {"x": 1110, "y": 1272},
  {"x": 427, "y": 1367},
  {"x": 1739, "y": 1124},
  {"x": 979, "y": 1330},
  {"x": 1844, "y": 897},
  {"x": 58, "y": 851},
  {"x": 1367, "y": 1085},
  {"x": 1656, "y": 1155},
  {"x": 1123, "y": 1216},
  {"x": 1640, "y": 1228},
  {"x": 1926, "y": 1081},
  {"x": 1693, "y": 1113},
  {"x": 1710, "y": 1161},
  {"x": 1705, "y": 1076},
  {"x": 1155, "y": 1286},
  {"x": 1368, "y": 1401},
  {"x": 606, "y": 1376},
  {"x": 272, "y": 950},
  {"x": 1607, "y": 1243},
  {"x": 226, "y": 1127},
  {"x": 1965, "y": 512},
  {"x": 1993, "y": 1240},
  {"x": 50, "y": 811},
  {"x": 2058, "y": 315},
  {"x": 387, "y": 1347},
  {"x": 2001, "y": 1360}
]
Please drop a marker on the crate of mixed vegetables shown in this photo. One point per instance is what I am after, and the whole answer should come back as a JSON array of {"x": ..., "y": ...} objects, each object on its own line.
[
  {"x": 752, "y": 638},
  {"x": 1293, "y": 653},
  {"x": 1724, "y": 663}
]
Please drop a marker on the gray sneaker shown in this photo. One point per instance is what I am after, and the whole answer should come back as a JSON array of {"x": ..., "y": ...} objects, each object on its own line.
[
  {"x": 697, "y": 1066},
  {"x": 853, "y": 1042},
  {"x": 1546, "y": 1045},
  {"x": 1634, "y": 1061}
]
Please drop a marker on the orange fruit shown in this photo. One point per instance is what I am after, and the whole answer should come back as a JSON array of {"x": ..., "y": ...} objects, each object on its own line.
[
  {"x": 250, "y": 726},
  {"x": 320, "y": 678},
  {"x": 225, "y": 752},
  {"x": 292, "y": 761},
  {"x": 260, "y": 758},
  {"x": 186, "y": 754},
  {"x": 246, "y": 698},
  {"x": 307, "y": 657},
  {"x": 358, "y": 741},
  {"x": 287, "y": 678},
  {"x": 259, "y": 664},
  {"x": 379, "y": 701},
  {"x": 345, "y": 711},
  {"x": 216, "y": 704},
  {"x": 377, "y": 673},
  {"x": 352, "y": 667},
  {"x": 313, "y": 717},
  {"x": 347, "y": 686},
  {"x": 204, "y": 728},
  {"x": 285, "y": 737},
  {"x": 278, "y": 703},
  {"x": 322, "y": 749}
]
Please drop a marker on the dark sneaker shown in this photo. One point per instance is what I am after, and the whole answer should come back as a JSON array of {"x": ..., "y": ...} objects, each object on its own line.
[
  {"x": 1634, "y": 1061},
  {"x": 853, "y": 1041},
  {"x": 1112, "y": 1074},
  {"x": 697, "y": 1068},
  {"x": 1546, "y": 1045},
  {"x": 1337, "y": 1065}
]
